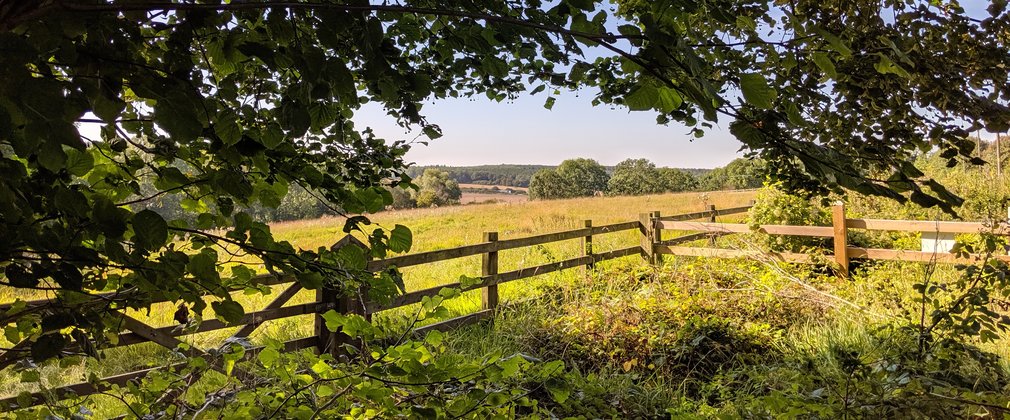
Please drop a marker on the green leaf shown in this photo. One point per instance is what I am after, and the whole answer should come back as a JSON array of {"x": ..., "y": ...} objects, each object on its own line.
[
  {"x": 825, "y": 63},
  {"x": 886, "y": 66},
  {"x": 110, "y": 217},
  {"x": 310, "y": 280},
  {"x": 79, "y": 162},
  {"x": 51, "y": 156},
  {"x": 353, "y": 257},
  {"x": 400, "y": 239},
  {"x": 756, "y": 90},
  {"x": 669, "y": 100},
  {"x": 107, "y": 107},
  {"x": 268, "y": 356},
  {"x": 794, "y": 115},
  {"x": 150, "y": 231},
  {"x": 229, "y": 311},
  {"x": 549, "y": 103},
  {"x": 432, "y": 131},
  {"x": 176, "y": 113},
  {"x": 746, "y": 23},
  {"x": 835, "y": 42},
  {"x": 48, "y": 346},
  {"x": 559, "y": 389},
  {"x": 644, "y": 97},
  {"x": 227, "y": 127}
]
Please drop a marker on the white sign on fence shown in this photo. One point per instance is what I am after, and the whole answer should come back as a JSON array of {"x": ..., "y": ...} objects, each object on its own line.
[{"x": 937, "y": 243}]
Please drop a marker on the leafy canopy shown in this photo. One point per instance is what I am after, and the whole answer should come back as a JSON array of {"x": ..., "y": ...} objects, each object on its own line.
[{"x": 230, "y": 105}]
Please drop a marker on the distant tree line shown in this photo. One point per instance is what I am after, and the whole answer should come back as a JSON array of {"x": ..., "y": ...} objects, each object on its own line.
[
  {"x": 504, "y": 175},
  {"x": 586, "y": 177},
  {"x": 434, "y": 188}
]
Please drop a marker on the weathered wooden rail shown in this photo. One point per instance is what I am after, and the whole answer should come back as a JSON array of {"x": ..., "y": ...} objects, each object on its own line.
[
  {"x": 838, "y": 231},
  {"x": 323, "y": 340}
]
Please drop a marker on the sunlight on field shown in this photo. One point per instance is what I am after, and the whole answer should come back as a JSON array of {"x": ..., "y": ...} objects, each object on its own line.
[{"x": 433, "y": 229}]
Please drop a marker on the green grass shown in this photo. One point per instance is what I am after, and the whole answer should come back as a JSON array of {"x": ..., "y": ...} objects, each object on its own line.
[{"x": 432, "y": 229}]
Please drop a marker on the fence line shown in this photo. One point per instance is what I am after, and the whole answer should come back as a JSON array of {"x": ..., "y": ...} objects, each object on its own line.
[
  {"x": 651, "y": 247},
  {"x": 324, "y": 340},
  {"x": 839, "y": 232}
]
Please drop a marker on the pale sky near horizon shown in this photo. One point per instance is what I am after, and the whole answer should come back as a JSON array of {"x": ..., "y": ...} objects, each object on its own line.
[{"x": 481, "y": 131}]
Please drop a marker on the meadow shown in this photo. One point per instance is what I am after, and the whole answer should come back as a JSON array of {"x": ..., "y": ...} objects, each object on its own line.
[
  {"x": 690, "y": 338},
  {"x": 433, "y": 228}
]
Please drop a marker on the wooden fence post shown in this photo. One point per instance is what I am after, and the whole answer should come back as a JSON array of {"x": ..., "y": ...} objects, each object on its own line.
[
  {"x": 645, "y": 227},
  {"x": 587, "y": 247},
  {"x": 656, "y": 237},
  {"x": 344, "y": 302},
  {"x": 841, "y": 237},
  {"x": 711, "y": 219},
  {"x": 489, "y": 267}
]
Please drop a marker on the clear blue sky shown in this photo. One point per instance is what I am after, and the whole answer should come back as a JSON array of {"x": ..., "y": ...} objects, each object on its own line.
[{"x": 481, "y": 131}]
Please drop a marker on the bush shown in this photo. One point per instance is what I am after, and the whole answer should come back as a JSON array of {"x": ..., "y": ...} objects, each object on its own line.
[{"x": 773, "y": 206}]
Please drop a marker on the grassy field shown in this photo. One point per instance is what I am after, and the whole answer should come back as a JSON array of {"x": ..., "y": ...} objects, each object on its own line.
[
  {"x": 433, "y": 229},
  {"x": 692, "y": 338}
]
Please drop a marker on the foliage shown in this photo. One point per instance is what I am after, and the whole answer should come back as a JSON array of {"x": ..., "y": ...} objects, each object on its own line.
[
  {"x": 256, "y": 98},
  {"x": 436, "y": 189},
  {"x": 504, "y": 175},
  {"x": 738, "y": 174},
  {"x": 986, "y": 193},
  {"x": 640, "y": 176},
  {"x": 573, "y": 178},
  {"x": 772, "y": 206},
  {"x": 547, "y": 184},
  {"x": 634, "y": 177},
  {"x": 676, "y": 180},
  {"x": 583, "y": 177}
]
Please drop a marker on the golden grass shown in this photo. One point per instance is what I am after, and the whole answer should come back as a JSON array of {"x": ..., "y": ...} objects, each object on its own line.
[{"x": 433, "y": 229}]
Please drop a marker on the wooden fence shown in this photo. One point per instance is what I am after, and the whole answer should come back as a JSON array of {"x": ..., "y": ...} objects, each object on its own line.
[
  {"x": 136, "y": 331},
  {"x": 652, "y": 247},
  {"x": 839, "y": 232}
]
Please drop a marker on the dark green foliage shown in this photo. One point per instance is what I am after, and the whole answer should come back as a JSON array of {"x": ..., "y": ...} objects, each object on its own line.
[
  {"x": 583, "y": 177},
  {"x": 635, "y": 177},
  {"x": 436, "y": 189},
  {"x": 433, "y": 188},
  {"x": 738, "y": 174},
  {"x": 772, "y": 206},
  {"x": 573, "y": 178},
  {"x": 547, "y": 184},
  {"x": 504, "y": 175},
  {"x": 676, "y": 180},
  {"x": 258, "y": 98}
]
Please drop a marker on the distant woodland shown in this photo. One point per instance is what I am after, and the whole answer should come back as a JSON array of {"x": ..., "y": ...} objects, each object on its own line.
[{"x": 509, "y": 175}]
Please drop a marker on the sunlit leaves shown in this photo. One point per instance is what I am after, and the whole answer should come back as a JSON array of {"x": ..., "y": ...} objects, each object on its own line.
[
  {"x": 756, "y": 90},
  {"x": 824, "y": 62},
  {"x": 228, "y": 311},
  {"x": 400, "y": 239}
]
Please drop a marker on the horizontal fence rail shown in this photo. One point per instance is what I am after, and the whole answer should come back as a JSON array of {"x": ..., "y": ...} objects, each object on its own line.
[
  {"x": 838, "y": 231},
  {"x": 168, "y": 336}
]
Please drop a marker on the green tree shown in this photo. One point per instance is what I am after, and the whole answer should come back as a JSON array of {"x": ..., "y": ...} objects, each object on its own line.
[
  {"x": 635, "y": 177},
  {"x": 403, "y": 198},
  {"x": 436, "y": 189},
  {"x": 547, "y": 184},
  {"x": 675, "y": 180},
  {"x": 738, "y": 174},
  {"x": 583, "y": 177}
]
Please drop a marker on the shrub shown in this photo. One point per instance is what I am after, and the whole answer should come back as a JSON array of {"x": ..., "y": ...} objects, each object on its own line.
[{"x": 775, "y": 207}]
